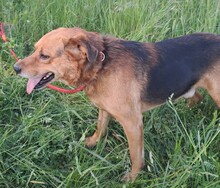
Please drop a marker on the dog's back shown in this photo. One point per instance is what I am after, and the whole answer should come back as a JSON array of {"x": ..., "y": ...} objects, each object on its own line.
[{"x": 181, "y": 63}]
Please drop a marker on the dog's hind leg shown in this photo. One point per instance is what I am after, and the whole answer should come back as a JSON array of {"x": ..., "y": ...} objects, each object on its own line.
[
  {"x": 214, "y": 92},
  {"x": 103, "y": 120},
  {"x": 196, "y": 98},
  {"x": 211, "y": 82}
]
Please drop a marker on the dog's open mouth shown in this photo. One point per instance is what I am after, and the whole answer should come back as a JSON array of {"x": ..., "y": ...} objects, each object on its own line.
[
  {"x": 39, "y": 82},
  {"x": 47, "y": 78}
]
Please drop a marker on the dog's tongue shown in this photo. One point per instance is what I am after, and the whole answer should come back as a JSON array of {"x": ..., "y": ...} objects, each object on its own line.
[{"x": 32, "y": 82}]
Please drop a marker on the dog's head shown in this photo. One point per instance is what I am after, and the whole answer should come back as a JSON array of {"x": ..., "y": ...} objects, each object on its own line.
[{"x": 62, "y": 54}]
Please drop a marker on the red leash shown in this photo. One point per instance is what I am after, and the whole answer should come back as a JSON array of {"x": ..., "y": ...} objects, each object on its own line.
[
  {"x": 71, "y": 91},
  {"x": 68, "y": 91},
  {"x": 4, "y": 39}
]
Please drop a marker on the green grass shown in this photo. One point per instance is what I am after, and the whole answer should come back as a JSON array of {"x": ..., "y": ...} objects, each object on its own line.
[{"x": 42, "y": 135}]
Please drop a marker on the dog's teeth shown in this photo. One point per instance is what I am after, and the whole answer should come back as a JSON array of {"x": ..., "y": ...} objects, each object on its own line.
[{"x": 47, "y": 76}]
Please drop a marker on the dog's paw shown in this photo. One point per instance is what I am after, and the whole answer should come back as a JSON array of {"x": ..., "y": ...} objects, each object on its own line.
[
  {"x": 129, "y": 177},
  {"x": 90, "y": 141}
]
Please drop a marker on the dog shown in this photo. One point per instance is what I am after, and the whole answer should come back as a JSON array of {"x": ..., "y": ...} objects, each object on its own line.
[{"x": 125, "y": 78}]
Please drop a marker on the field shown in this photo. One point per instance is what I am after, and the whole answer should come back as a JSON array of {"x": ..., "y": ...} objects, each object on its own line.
[{"x": 42, "y": 135}]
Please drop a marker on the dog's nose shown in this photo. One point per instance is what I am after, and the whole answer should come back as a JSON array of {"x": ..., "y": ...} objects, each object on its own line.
[{"x": 17, "y": 69}]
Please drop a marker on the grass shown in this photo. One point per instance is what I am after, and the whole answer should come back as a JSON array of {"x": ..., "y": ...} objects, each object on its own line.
[{"x": 42, "y": 135}]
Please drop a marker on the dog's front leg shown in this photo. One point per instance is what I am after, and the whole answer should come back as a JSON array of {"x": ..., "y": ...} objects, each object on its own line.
[
  {"x": 103, "y": 120},
  {"x": 133, "y": 127}
]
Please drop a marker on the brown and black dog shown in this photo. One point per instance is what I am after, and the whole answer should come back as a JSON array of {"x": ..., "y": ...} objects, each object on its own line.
[{"x": 133, "y": 77}]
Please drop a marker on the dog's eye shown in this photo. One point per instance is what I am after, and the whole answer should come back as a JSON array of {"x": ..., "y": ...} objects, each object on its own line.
[{"x": 44, "y": 57}]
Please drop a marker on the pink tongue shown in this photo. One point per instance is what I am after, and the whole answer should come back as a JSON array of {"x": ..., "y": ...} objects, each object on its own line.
[{"x": 32, "y": 82}]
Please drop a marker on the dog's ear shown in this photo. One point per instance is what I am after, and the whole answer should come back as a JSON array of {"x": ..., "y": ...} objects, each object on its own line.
[
  {"x": 91, "y": 51},
  {"x": 79, "y": 47}
]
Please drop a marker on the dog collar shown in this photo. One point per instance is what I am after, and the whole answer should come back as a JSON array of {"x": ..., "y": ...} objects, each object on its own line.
[{"x": 102, "y": 56}]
